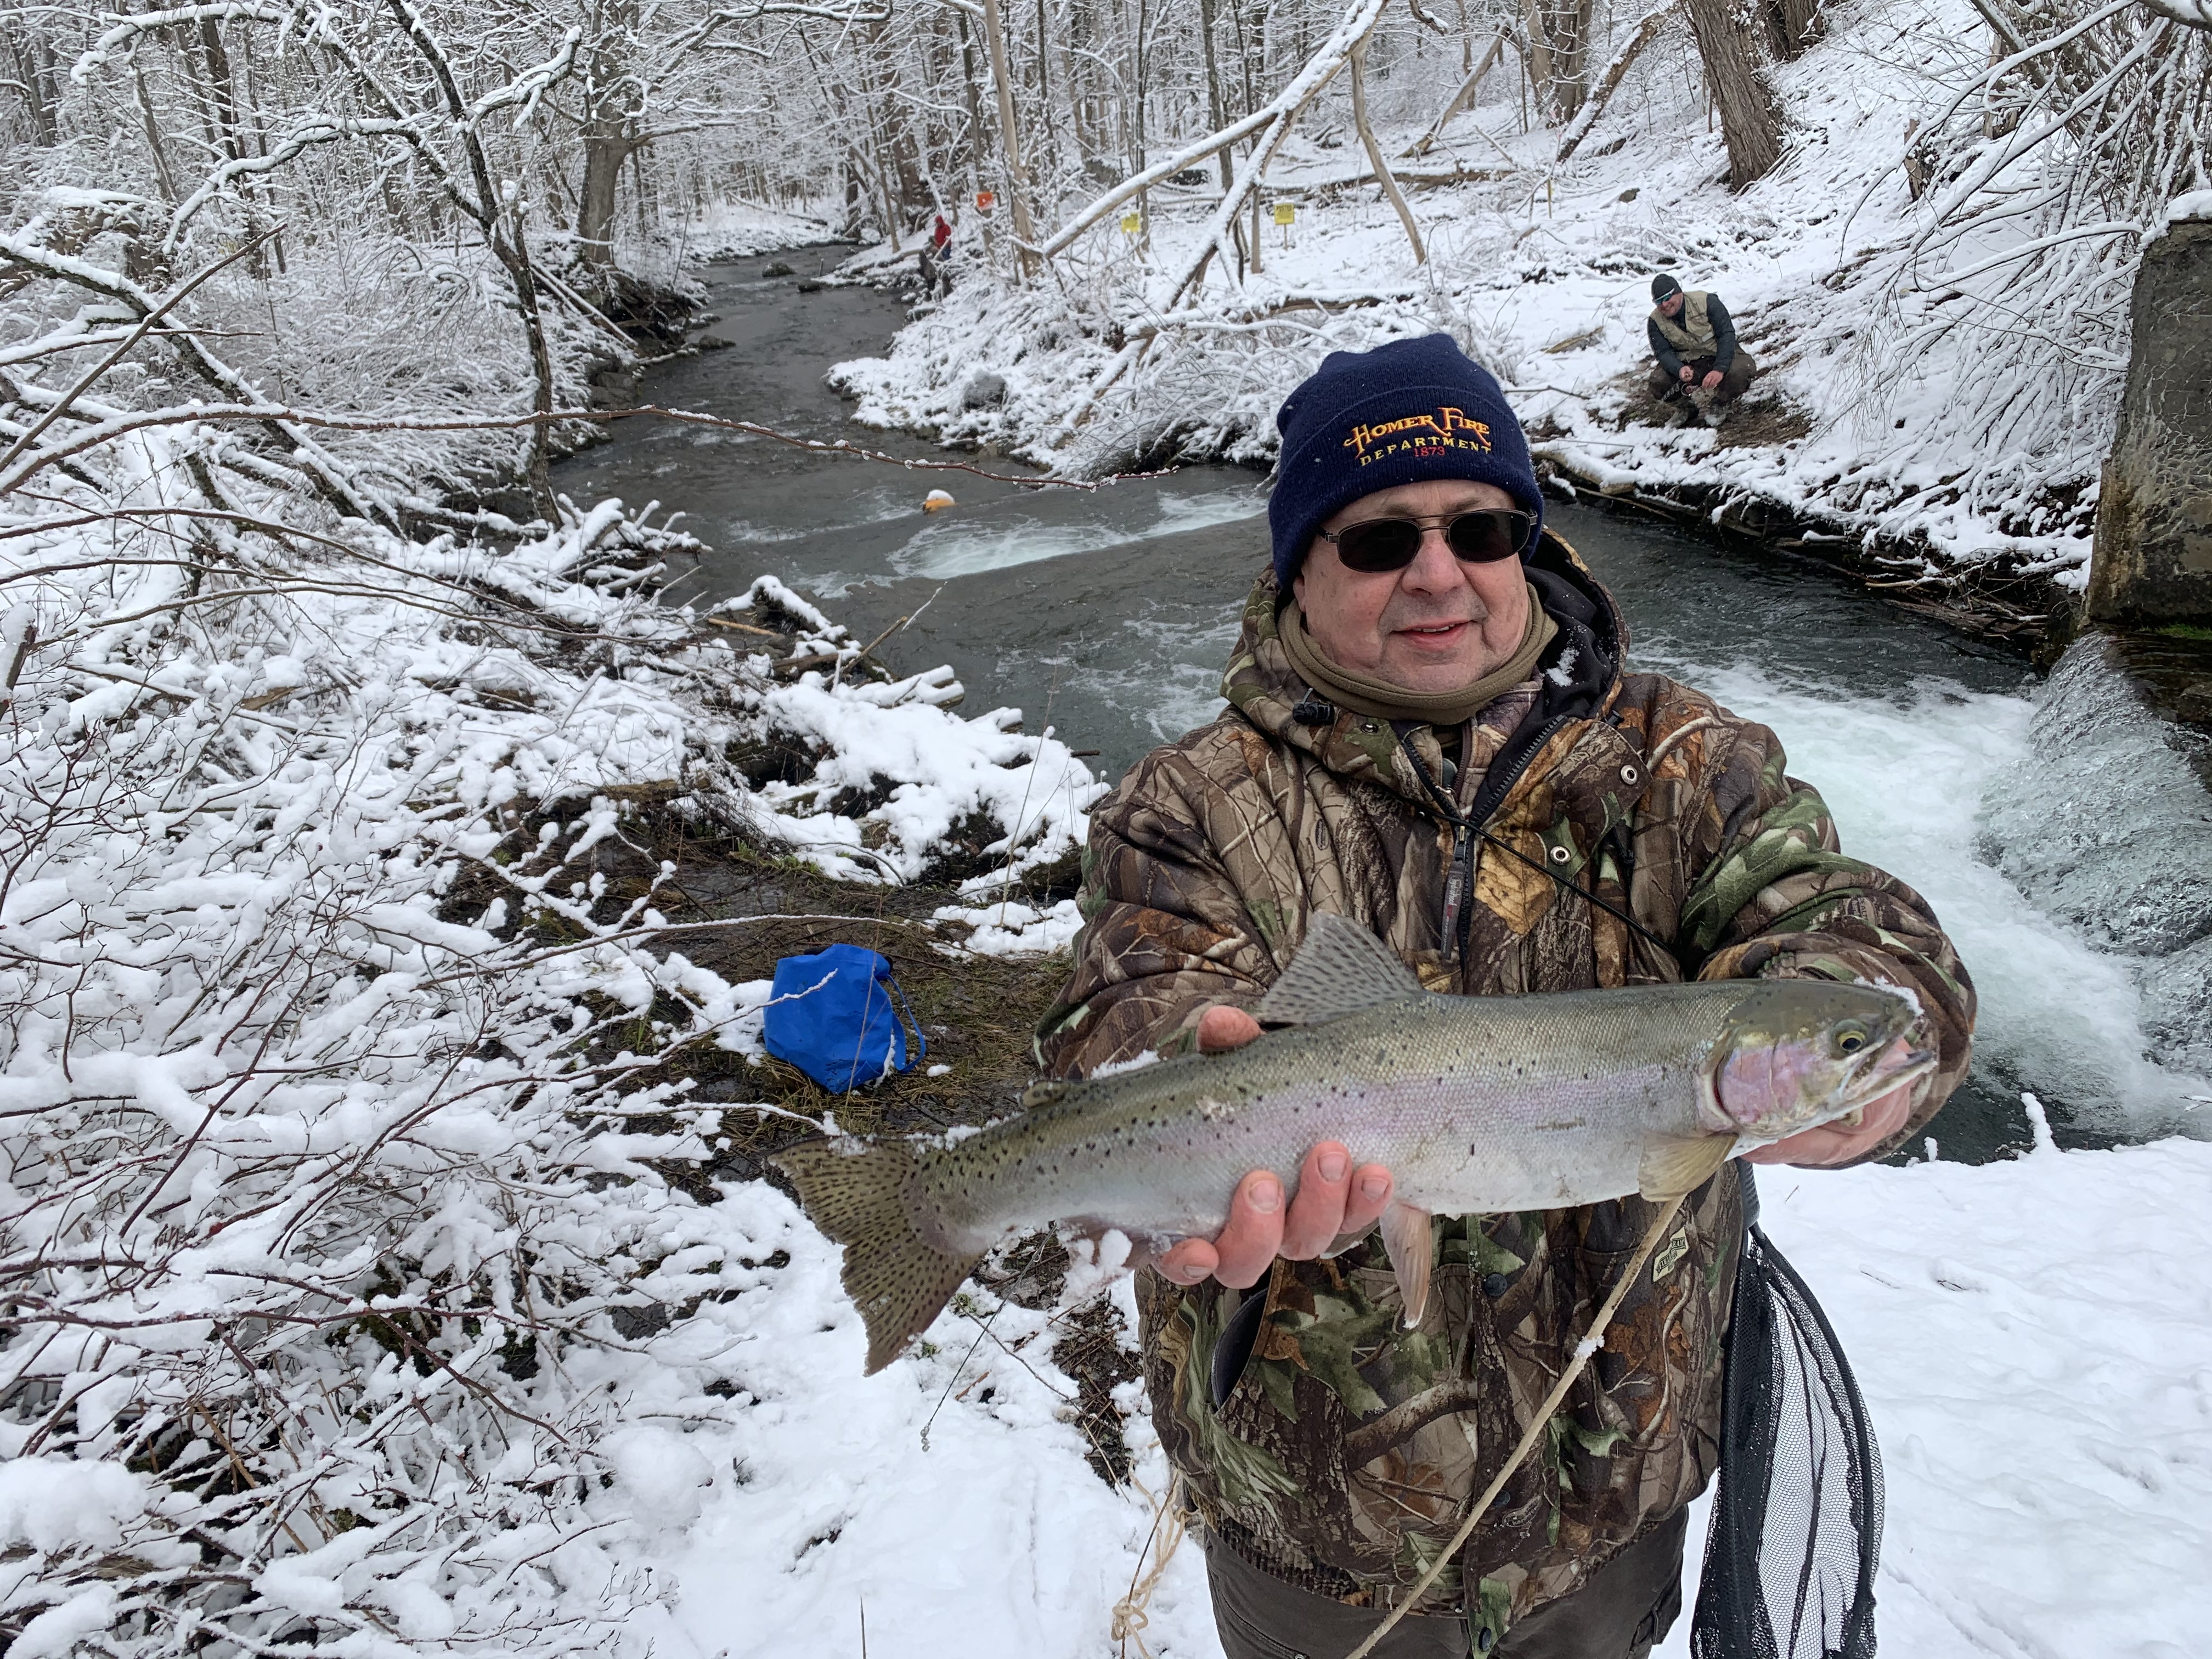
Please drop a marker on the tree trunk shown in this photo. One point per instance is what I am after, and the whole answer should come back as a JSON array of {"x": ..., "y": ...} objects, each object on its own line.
[
  {"x": 1052, "y": 153},
  {"x": 609, "y": 134},
  {"x": 1255, "y": 217},
  {"x": 1570, "y": 23},
  {"x": 505, "y": 234},
  {"x": 1538, "y": 61},
  {"x": 1460, "y": 99},
  {"x": 1138, "y": 145},
  {"x": 1594, "y": 106},
  {"x": 1213, "y": 104},
  {"x": 1383, "y": 177},
  {"x": 220, "y": 87},
  {"x": 1794, "y": 24},
  {"x": 1751, "y": 122},
  {"x": 606, "y": 146},
  {"x": 1559, "y": 54},
  {"x": 968, "y": 79},
  {"x": 165, "y": 180},
  {"x": 995, "y": 34},
  {"x": 34, "y": 82}
]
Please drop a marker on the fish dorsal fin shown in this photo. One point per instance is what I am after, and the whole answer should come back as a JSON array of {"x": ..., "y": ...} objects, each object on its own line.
[{"x": 1339, "y": 970}]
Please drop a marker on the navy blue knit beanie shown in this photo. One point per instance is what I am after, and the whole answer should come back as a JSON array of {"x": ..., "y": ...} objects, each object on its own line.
[{"x": 1403, "y": 413}]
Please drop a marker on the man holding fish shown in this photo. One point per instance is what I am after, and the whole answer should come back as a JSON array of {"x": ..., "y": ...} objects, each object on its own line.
[
  {"x": 1542, "y": 941},
  {"x": 1434, "y": 732}
]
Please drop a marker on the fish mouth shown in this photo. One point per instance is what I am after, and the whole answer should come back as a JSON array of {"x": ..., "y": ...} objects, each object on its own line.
[
  {"x": 1886, "y": 1070},
  {"x": 1894, "y": 1068}
]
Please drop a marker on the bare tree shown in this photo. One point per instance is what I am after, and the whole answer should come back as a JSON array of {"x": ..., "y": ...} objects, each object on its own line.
[{"x": 1751, "y": 118}]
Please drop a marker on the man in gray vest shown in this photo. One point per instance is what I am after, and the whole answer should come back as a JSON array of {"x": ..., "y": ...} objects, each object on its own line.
[{"x": 1693, "y": 338}]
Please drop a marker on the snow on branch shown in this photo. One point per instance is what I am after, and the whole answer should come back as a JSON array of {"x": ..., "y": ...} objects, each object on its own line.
[
  {"x": 531, "y": 85},
  {"x": 2038, "y": 177},
  {"x": 354, "y": 1198}
]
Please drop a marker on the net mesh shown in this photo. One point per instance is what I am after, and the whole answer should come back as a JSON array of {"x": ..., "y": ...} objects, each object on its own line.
[{"x": 1796, "y": 1524}]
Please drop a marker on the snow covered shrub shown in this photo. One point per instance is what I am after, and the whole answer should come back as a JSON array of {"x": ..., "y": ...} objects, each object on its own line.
[
  {"x": 348, "y": 1201},
  {"x": 314, "y": 1192},
  {"x": 2039, "y": 167},
  {"x": 351, "y": 1203}
]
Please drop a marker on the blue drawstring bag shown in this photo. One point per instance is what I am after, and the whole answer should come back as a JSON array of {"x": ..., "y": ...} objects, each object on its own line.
[{"x": 832, "y": 1017}]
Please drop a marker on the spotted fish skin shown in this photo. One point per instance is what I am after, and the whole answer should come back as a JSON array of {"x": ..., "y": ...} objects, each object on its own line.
[{"x": 1477, "y": 1104}]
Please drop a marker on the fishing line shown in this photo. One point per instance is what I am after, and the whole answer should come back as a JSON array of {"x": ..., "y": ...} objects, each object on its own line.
[
  {"x": 983, "y": 1331},
  {"x": 1538, "y": 1423}
]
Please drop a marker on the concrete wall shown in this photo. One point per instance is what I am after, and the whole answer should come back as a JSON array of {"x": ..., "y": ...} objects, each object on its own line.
[{"x": 2153, "y": 562}]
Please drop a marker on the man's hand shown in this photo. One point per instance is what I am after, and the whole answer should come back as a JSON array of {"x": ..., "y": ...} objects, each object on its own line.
[
  {"x": 1222, "y": 1028},
  {"x": 1832, "y": 1144},
  {"x": 1712, "y": 379},
  {"x": 1688, "y": 374},
  {"x": 1333, "y": 1197}
]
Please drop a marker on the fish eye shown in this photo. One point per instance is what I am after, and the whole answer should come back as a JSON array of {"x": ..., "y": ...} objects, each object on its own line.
[{"x": 1850, "y": 1040}]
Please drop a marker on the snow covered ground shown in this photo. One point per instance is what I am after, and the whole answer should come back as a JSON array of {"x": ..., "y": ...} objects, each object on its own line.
[
  {"x": 730, "y": 230},
  {"x": 2034, "y": 1338},
  {"x": 1878, "y": 414}
]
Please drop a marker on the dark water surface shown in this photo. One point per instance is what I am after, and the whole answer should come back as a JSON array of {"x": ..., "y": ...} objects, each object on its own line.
[{"x": 1107, "y": 615}]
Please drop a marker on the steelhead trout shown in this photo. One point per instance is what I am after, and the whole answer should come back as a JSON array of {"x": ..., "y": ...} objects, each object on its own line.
[{"x": 1477, "y": 1104}]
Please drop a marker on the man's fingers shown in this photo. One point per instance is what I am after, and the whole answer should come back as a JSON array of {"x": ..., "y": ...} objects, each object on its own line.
[
  {"x": 1317, "y": 1212},
  {"x": 1249, "y": 1244},
  {"x": 1333, "y": 1198},
  {"x": 1371, "y": 1190},
  {"x": 1189, "y": 1262},
  {"x": 1225, "y": 1027}
]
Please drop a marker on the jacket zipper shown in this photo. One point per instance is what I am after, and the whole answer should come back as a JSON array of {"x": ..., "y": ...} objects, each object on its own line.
[{"x": 1464, "y": 825}]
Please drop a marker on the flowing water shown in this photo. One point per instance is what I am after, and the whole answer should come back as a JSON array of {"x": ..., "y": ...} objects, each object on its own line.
[{"x": 2055, "y": 828}]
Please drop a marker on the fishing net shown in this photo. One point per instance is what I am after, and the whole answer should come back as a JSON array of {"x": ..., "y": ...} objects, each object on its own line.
[{"x": 1796, "y": 1524}]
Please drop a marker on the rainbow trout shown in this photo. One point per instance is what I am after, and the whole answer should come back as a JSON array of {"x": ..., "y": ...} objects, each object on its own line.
[{"x": 1477, "y": 1104}]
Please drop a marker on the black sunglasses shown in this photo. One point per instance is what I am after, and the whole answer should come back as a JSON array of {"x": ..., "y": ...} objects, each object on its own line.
[{"x": 1482, "y": 537}]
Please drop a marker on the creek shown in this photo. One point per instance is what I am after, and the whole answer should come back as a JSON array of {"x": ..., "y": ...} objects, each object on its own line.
[{"x": 2058, "y": 828}]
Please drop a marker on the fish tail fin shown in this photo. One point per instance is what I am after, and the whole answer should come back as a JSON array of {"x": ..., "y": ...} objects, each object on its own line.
[{"x": 858, "y": 1195}]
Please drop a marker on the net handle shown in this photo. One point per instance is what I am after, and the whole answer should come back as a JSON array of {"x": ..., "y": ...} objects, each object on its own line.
[{"x": 1583, "y": 1352}]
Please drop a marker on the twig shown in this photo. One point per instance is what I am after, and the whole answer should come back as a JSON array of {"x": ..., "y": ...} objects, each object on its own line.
[
  {"x": 1538, "y": 1423},
  {"x": 145, "y": 324},
  {"x": 981, "y": 1333},
  {"x": 866, "y": 650},
  {"x": 218, "y": 414}
]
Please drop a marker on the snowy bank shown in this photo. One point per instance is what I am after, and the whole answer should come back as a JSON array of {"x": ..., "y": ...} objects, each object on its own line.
[
  {"x": 2034, "y": 1338},
  {"x": 1897, "y": 408},
  {"x": 345, "y": 1098}
]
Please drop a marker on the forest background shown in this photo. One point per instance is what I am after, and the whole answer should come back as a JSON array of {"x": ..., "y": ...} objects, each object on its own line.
[{"x": 365, "y": 1274}]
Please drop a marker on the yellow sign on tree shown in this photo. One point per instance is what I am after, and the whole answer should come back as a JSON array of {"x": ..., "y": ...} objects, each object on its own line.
[
  {"x": 1132, "y": 223},
  {"x": 1285, "y": 214}
]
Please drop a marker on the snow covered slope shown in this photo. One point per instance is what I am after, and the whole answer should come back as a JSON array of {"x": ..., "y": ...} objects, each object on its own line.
[
  {"x": 2034, "y": 1338},
  {"x": 1890, "y": 405}
]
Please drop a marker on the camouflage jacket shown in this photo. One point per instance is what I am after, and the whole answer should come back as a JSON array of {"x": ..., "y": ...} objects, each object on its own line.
[{"x": 1343, "y": 1456}]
